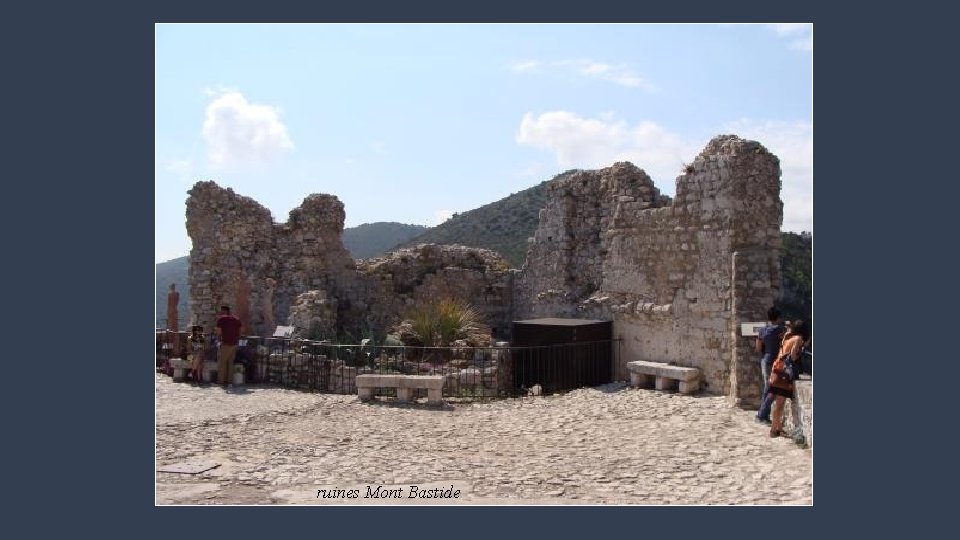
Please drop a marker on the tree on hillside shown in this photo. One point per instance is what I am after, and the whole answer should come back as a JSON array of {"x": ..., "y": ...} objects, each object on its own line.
[{"x": 796, "y": 268}]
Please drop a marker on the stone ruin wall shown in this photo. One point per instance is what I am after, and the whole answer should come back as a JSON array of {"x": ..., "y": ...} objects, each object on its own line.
[
  {"x": 234, "y": 238},
  {"x": 676, "y": 277},
  {"x": 427, "y": 272},
  {"x": 565, "y": 257},
  {"x": 320, "y": 288},
  {"x": 310, "y": 255}
]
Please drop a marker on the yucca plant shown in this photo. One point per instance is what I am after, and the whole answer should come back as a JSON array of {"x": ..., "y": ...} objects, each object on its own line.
[
  {"x": 422, "y": 321},
  {"x": 456, "y": 320},
  {"x": 441, "y": 322}
]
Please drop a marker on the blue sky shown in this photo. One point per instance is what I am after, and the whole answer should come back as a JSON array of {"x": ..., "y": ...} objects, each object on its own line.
[{"x": 412, "y": 122}]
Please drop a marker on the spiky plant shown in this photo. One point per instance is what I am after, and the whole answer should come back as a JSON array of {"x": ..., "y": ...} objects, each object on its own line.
[
  {"x": 456, "y": 320},
  {"x": 441, "y": 322},
  {"x": 422, "y": 321}
]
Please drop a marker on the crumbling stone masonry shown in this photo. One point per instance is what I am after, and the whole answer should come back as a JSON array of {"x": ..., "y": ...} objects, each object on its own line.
[
  {"x": 234, "y": 236},
  {"x": 565, "y": 258},
  {"x": 388, "y": 286},
  {"x": 676, "y": 277},
  {"x": 313, "y": 315},
  {"x": 428, "y": 272},
  {"x": 317, "y": 286}
]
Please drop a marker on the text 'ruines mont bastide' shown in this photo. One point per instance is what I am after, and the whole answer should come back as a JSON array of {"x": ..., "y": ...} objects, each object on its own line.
[{"x": 382, "y": 493}]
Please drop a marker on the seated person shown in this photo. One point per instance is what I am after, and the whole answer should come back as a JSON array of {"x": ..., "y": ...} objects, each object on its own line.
[{"x": 195, "y": 346}]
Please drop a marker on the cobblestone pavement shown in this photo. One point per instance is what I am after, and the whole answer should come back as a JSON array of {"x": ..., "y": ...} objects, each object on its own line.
[{"x": 606, "y": 445}]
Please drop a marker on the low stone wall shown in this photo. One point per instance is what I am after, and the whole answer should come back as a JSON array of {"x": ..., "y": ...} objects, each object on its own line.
[
  {"x": 804, "y": 404},
  {"x": 798, "y": 416}
]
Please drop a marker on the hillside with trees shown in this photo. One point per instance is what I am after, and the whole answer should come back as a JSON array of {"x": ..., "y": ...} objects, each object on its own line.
[
  {"x": 502, "y": 226},
  {"x": 796, "y": 269},
  {"x": 372, "y": 239}
]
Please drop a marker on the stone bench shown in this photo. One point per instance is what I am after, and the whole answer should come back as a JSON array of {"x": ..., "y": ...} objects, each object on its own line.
[
  {"x": 208, "y": 369},
  {"x": 405, "y": 385},
  {"x": 180, "y": 368},
  {"x": 641, "y": 373}
]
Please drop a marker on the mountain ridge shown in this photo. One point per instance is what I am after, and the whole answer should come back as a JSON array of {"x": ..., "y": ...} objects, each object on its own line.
[
  {"x": 502, "y": 226},
  {"x": 372, "y": 239}
]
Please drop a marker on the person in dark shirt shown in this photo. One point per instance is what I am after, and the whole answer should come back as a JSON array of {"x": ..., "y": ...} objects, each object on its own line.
[
  {"x": 768, "y": 345},
  {"x": 228, "y": 331}
]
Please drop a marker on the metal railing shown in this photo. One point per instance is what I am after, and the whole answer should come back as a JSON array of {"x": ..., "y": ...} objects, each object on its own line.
[{"x": 470, "y": 373}]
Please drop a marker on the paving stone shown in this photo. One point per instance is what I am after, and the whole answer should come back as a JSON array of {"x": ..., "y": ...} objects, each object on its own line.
[{"x": 717, "y": 455}]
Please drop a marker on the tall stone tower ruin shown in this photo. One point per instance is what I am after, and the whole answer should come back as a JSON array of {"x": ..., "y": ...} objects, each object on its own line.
[{"x": 676, "y": 277}]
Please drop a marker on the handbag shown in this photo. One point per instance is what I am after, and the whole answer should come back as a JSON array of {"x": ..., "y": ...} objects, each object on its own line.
[
  {"x": 784, "y": 371},
  {"x": 790, "y": 370},
  {"x": 779, "y": 377}
]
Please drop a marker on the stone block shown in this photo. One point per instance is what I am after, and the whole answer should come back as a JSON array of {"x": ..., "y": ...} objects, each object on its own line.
[
  {"x": 640, "y": 380},
  {"x": 664, "y": 383},
  {"x": 663, "y": 369},
  {"x": 434, "y": 382},
  {"x": 470, "y": 376},
  {"x": 804, "y": 399},
  {"x": 666, "y": 375},
  {"x": 689, "y": 387},
  {"x": 179, "y": 363},
  {"x": 208, "y": 369},
  {"x": 377, "y": 381},
  {"x": 405, "y": 385}
]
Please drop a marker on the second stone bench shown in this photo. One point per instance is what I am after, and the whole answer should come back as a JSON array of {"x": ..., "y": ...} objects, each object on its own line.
[
  {"x": 405, "y": 385},
  {"x": 664, "y": 375}
]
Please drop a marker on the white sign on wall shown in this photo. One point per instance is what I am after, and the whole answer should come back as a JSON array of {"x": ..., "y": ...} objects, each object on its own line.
[
  {"x": 751, "y": 328},
  {"x": 283, "y": 331}
]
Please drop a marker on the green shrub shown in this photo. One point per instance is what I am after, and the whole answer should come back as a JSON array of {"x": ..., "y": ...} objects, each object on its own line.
[{"x": 441, "y": 322}]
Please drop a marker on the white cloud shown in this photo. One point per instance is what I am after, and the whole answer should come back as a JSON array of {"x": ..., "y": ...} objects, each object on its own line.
[
  {"x": 792, "y": 142},
  {"x": 525, "y": 66},
  {"x": 589, "y": 143},
  {"x": 440, "y": 216},
  {"x": 619, "y": 74},
  {"x": 238, "y": 131},
  {"x": 580, "y": 142},
  {"x": 801, "y": 34}
]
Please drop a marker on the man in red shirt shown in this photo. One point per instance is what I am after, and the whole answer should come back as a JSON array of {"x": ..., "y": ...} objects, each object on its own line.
[{"x": 228, "y": 331}]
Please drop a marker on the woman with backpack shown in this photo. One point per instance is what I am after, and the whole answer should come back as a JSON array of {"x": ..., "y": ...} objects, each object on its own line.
[{"x": 785, "y": 370}]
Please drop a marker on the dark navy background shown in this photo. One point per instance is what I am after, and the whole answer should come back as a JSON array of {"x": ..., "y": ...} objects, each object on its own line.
[{"x": 79, "y": 191}]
